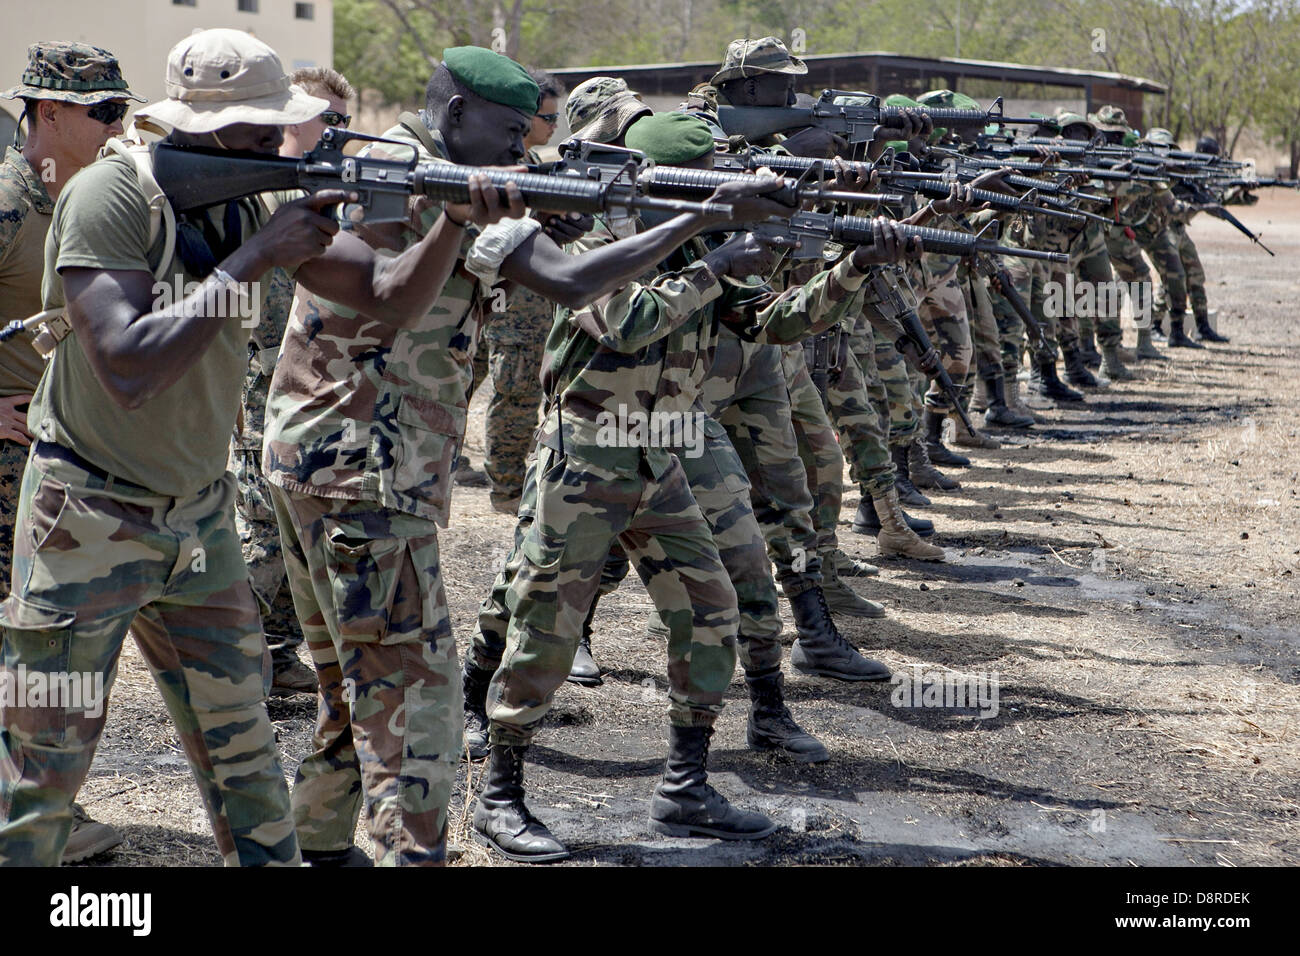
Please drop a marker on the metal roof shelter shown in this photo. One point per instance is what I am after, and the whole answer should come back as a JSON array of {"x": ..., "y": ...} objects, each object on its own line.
[{"x": 881, "y": 72}]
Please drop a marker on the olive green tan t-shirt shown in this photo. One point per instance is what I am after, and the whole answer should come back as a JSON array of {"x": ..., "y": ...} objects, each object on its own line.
[
  {"x": 177, "y": 442},
  {"x": 25, "y": 209}
]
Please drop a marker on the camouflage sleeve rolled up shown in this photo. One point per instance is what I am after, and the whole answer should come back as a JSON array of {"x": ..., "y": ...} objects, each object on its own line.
[{"x": 803, "y": 309}]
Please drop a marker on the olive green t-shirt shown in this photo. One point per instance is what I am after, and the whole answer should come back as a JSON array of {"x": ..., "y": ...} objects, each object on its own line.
[{"x": 177, "y": 442}]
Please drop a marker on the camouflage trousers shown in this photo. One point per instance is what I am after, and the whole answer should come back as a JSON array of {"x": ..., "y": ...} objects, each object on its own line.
[
  {"x": 514, "y": 348},
  {"x": 1031, "y": 278},
  {"x": 902, "y": 401},
  {"x": 13, "y": 459},
  {"x": 985, "y": 337},
  {"x": 581, "y": 511},
  {"x": 853, "y": 399},
  {"x": 1130, "y": 267},
  {"x": 1169, "y": 264},
  {"x": 819, "y": 449},
  {"x": 942, "y": 309},
  {"x": 1091, "y": 267},
  {"x": 94, "y": 558},
  {"x": 1193, "y": 271},
  {"x": 259, "y": 539},
  {"x": 746, "y": 392},
  {"x": 367, "y": 584}
]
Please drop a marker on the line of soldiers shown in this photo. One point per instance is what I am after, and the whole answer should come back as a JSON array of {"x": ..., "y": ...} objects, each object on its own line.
[{"x": 138, "y": 511}]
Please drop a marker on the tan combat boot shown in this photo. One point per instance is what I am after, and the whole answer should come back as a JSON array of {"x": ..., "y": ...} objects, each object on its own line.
[
  {"x": 970, "y": 439},
  {"x": 1016, "y": 403},
  {"x": 895, "y": 537}
]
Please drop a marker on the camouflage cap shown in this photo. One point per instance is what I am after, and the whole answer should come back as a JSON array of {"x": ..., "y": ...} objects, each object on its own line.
[
  {"x": 1063, "y": 118},
  {"x": 1110, "y": 119},
  {"x": 1160, "y": 137},
  {"x": 948, "y": 100},
  {"x": 72, "y": 72},
  {"x": 602, "y": 108},
  {"x": 746, "y": 58}
]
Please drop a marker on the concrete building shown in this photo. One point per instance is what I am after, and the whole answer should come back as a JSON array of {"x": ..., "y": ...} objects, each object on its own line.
[{"x": 140, "y": 32}]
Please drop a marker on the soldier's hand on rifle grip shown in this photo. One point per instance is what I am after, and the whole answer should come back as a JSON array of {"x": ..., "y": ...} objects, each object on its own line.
[
  {"x": 565, "y": 228},
  {"x": 929, "y": 363},
  {"x": 745, "y": 197},
  {"x": 746, "y": 254},
  {"x": 992, "y": 182},
  {"x": 299, "y": 230},
  {"x": 958, "y": 200},
  {"x": 815, "y": 143}
]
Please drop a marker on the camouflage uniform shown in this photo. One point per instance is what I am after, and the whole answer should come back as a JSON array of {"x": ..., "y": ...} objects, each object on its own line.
[
  {"x": 100, "y": 552},
  {"x": 647, "y": 350},
  {"x": 364, "y": 421},
  {"x": 942, "y": 308},
  {"x": 1193, "y": 271},
  {"x": 259, "y": 535},
  {"x": 25, "y": 209},
  {"x": 1149, "y": 216}
]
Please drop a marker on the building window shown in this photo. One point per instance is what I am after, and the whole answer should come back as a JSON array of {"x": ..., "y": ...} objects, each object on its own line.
[
  {"x": 304, "y": 11},
  {"x": 247, "y": 6}
]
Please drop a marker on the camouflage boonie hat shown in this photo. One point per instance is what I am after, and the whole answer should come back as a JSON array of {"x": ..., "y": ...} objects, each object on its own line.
[
  {"x": 72, "y": 72},
  {"x": 1160, "y": 137},
  {"x": 602, "y": 108},
  {"x": 1110, "y": 119},
  {"x": 746, "y": 58}
]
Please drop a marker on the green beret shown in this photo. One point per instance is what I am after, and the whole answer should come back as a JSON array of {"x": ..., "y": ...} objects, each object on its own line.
[
  {"x": 898, "y": 99},
  {"x": 670, "y": 138},
  {"x": 492, "y": 76}
]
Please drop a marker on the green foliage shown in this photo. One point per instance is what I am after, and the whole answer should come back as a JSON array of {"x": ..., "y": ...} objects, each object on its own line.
[{"x": 1227, "y": 63}]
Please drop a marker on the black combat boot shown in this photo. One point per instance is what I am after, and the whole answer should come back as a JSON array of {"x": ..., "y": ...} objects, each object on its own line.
[
  {"x": 1049, "y": 386},
  {"x": 474, "y": 683},
  {"x": 351, "y": 856},
  {"x": 821, "y": 649},
  {"x": 934, "y": 446},
  {"x": 584, "y": 669},
  {"x": 502, "y": 820},
  {"x": 922, "y": 473},
  {"x": 907, "y": 492},
  {"x": 866, "y": 521},
  {"x": 997, "y": 411},
  {"x": 1088, "y": 349},
  {"x": 1206, "y": 333},
  {"x": 1076, "y": 373},
  {"x": 685, "y": 805},
  {"x": 1178, "y": 337},
  {"x": 770, "y": 725}
]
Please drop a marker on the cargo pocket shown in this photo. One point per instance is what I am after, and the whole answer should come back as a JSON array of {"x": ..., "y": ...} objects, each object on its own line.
[
  {"x": 363, "y": 574},
  {"x": 48, "y": 505},
  {"x": 719, "y": 451},
  {"x": 425, "y": 452},
  {"x": 37, "y": 637}
]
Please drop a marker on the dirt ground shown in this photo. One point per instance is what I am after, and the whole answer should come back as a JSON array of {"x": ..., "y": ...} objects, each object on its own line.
[{"x": 1127, "y": 571}]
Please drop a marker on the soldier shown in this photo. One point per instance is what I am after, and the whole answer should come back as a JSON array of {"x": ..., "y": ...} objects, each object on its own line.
[
  {"x": 74, "y": 98},
  {"x": 126, "y": 508},
  {"x": 259, "y": 536},
  {"x": 640, "y": 353},
  {"x": 515, "y": 340}
]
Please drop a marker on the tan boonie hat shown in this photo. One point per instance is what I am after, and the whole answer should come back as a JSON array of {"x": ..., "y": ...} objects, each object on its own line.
[
  {"x": 751, "y": 57},
  {"x": 1110, "y": 119},
  {"x": 219, "y": 77},
  {"x": 1063, "y": 118},
  {"x": 602, "y": 108},
  {"x": 72, "y": 72}
]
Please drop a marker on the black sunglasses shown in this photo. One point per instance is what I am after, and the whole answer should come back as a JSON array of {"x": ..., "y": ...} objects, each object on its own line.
[
  {"x": 551, "y": 118},
  {"x": 108, "y": 112},
  {"x": 330, "y": 118}
]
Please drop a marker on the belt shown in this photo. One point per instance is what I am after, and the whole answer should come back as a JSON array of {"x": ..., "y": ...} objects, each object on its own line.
[{"x": 47, "y": 449}]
